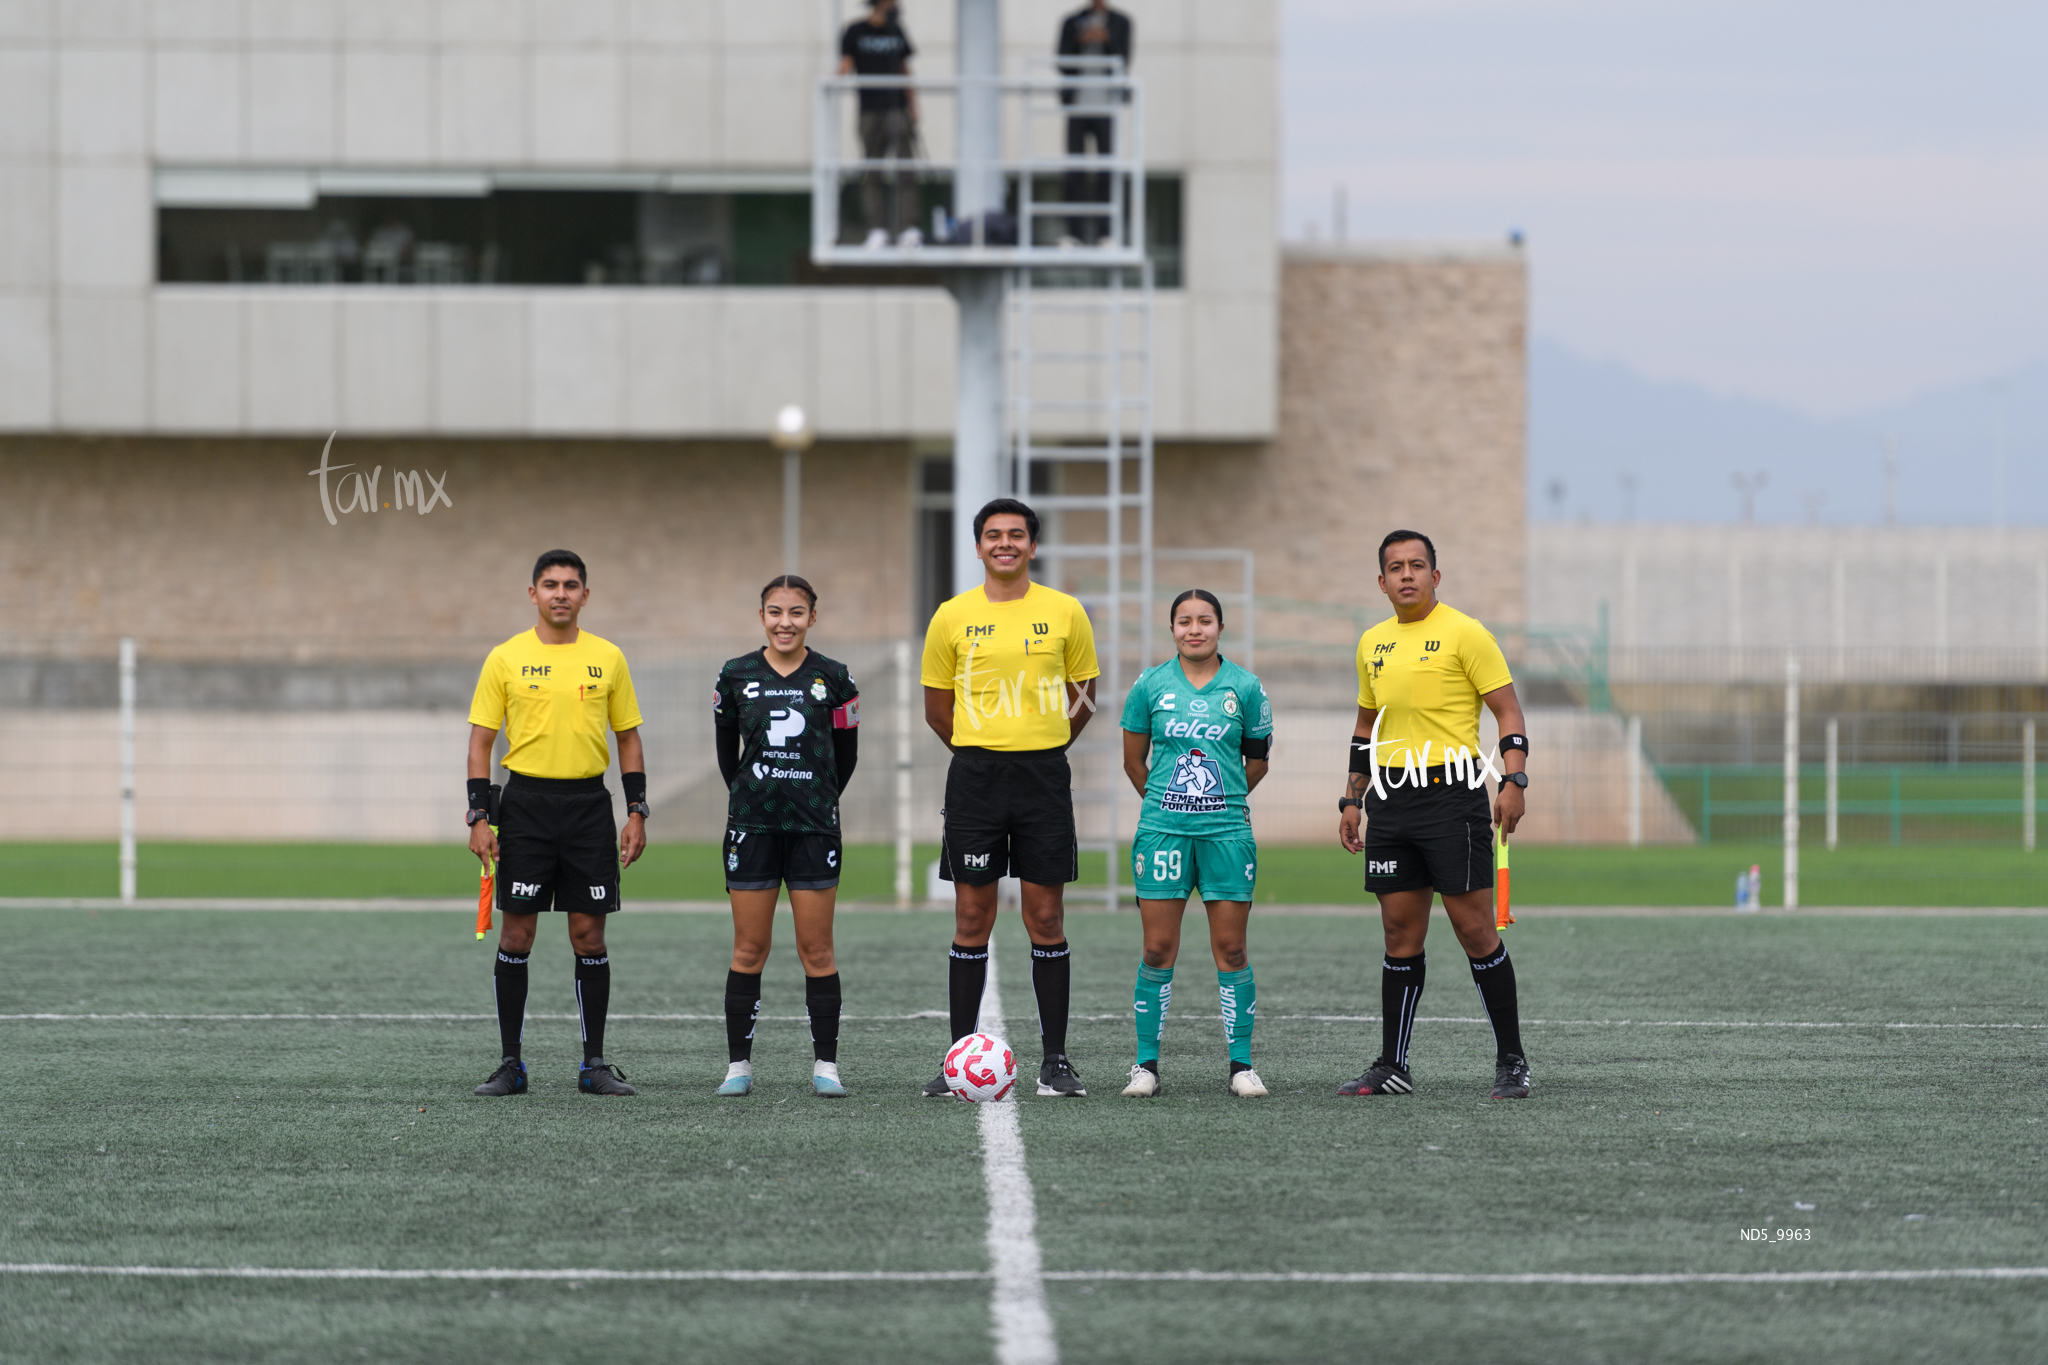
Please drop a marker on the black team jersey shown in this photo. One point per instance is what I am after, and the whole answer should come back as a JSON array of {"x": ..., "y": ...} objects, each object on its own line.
[{"x": 788, "y": 736}]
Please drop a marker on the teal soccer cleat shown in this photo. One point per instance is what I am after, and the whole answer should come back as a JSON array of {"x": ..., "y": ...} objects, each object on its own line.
[
  {"x": 825, "y": 1081},
  {"x": 739, "y": 1080}
]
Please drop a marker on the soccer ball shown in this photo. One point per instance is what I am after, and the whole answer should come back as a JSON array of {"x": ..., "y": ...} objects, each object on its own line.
[{"x": 979, "y": 1068}]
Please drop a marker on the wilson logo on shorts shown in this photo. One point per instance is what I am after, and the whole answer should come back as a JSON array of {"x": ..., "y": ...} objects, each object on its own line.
[
  {"x": 597, "y": 893},
  {"x": 1197, "y": 785}
]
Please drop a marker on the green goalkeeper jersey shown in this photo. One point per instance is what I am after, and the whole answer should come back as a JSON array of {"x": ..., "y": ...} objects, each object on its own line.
[{"x": 1197, "y": 784}]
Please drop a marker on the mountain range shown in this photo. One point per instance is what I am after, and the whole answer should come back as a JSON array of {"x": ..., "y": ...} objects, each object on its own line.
[{"x": 1609, "y": 444}]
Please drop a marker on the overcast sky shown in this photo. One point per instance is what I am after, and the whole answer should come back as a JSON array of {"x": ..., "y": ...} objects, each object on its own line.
[{"x": 1832, "y": 205}]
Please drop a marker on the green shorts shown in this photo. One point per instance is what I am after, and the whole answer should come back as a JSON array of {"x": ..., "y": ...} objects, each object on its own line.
[{"x": 1173, "y": 866}]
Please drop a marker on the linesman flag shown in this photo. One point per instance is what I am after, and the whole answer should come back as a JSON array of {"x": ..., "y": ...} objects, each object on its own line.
[{"x": 1503, "y": 916}]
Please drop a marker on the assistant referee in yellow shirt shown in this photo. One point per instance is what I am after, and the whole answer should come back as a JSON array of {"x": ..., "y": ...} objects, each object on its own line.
[
  {"x": 558, "y": 691},
  {"x": 1009, "y": 683},
  {"x": 1422, "y": 675}
]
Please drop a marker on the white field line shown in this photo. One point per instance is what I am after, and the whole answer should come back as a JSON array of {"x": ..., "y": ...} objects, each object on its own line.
[
  {"x": 434, "y": 1017},
  {"x": 1652, "y": 1278},
  {"x": 1019, "y": 1318}
]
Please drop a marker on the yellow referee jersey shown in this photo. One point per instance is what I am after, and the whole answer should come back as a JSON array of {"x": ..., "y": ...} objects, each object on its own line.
[
  {"x": 1425, "y": 679},
  {"x": 560, "y": 701},
  {"x": 1009, "y": 664}
]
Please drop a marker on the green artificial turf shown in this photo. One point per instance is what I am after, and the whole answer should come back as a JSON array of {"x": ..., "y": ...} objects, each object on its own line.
[
  {"x": 1543, "y": 874},
  {"x": 1647, "y": 1146}
]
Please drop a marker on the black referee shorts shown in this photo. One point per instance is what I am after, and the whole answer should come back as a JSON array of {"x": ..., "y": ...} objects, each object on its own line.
[
  {"x": 1009, "y": 814},
  {"x": 1438, "y": 837},
  {"x": 762, "y": 860},
  {"x": 558, "y": 848}
]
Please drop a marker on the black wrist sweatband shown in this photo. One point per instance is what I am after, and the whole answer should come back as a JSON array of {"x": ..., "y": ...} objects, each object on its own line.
[
  {"x": 636, "y": 788},
  {"x": 1361, "y": 756},
  {"x": 480, "y": 793},
  {"x": 1508, "y": 742}
]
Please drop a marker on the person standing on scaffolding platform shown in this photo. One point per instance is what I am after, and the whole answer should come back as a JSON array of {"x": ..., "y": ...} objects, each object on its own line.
[
  {"x": 1096, "y": 31},
  {"x": 876, "y": 45}
]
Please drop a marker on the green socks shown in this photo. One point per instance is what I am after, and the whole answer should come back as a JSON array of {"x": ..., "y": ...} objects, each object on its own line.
[
  {"x": 1150, "y": 996},
  {"x": 1240, "y": 999}
]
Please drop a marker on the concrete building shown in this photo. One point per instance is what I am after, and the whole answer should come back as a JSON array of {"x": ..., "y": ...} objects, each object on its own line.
[{"x": 541, "y": 264}]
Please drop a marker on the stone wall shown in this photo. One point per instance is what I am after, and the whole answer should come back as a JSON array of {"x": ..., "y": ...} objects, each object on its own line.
[
  {"x": 1402, "y": 404},
  {"x": 209, "y": 548}
]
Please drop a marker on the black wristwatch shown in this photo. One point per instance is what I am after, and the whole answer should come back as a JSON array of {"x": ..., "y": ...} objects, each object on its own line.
[
  {"x": 639, "y": 808},
  {"x": 1519, "y": 779},
  {"x": 476, "y": 815},
  {"x": 1348, "y": 802}
]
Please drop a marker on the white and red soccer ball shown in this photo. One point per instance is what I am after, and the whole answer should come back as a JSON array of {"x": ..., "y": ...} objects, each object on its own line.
[{"x": 979, "y": 1068}]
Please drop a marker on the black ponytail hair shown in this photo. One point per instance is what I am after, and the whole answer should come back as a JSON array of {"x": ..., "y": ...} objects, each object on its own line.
[
  {"x": 1202, "y": 593},
  {"x": 794, "y": 584}
]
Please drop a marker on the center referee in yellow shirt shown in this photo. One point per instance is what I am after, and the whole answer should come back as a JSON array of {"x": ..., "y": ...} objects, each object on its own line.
[
  {"x": 1422, "y": 675},
  {"x": 1009, "y": 683},
  {"x": 559, "y": 691}
]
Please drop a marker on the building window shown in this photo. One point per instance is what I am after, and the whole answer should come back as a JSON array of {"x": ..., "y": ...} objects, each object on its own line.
[
  {"x": 934, "y": 506},
  {"x": 439, "y": 228}
]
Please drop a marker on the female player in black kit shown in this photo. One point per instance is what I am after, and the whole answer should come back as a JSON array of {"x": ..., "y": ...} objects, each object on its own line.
[{"x": 786, "y": 720}]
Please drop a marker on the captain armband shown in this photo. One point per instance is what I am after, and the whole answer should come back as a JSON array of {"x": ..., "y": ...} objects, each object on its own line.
[
  {"x": 1255, "y": 749},
  {"x": 1508, "y": 742},
  {"x": 847, "y": 717},
  {"x": 1361, "y": 756}
]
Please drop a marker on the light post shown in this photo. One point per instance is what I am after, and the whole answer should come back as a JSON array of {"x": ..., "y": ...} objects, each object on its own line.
[{"x": 792, "y": 435}]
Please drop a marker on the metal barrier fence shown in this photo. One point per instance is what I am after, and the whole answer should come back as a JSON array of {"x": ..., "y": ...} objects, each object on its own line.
[{"x": 305, "y": 743}]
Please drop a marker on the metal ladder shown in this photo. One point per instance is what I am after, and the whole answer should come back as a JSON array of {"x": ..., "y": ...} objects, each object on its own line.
[{"x": 1078, "y": 405}]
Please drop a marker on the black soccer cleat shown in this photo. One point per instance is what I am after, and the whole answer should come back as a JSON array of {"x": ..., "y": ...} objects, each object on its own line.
[
  {"x": 1381, "y": 1078},
  {"x": 1057, "y": 1077},
  {"x": 937, "y": 1089},
  {"x": 600, "y": 1077},
  {"x": 1511, "y": 1078},
  {"x": 508, "y": 1079}
]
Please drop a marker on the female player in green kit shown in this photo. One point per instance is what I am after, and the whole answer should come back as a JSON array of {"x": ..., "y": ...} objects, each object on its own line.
[{"x": 1205, "y": 727}]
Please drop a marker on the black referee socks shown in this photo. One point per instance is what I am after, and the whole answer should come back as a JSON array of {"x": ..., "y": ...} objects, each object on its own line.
[
  {"x": 821, "y": 1002},
  {"x": 509, "y": 982},
  {"x": 593, "y": 999},
  {"x": 1052, "y": 979},
  {"x": 1495, "y": 978},
  {"x": 966, "y": 975},
  {"x": 742, "y": 1008},
  {"x": 1400, "y": 992}
]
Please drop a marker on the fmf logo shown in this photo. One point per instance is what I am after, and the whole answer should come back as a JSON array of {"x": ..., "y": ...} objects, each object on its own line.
[
  {"x": 976, "y": 860},
  {"x": 1376, "y": 868},
  {"x": 534, "y": 670},
  {"x": 525, "y": 889},
  {"x": 1383, "y": 649},
  {"x": 980, "y": 632}
]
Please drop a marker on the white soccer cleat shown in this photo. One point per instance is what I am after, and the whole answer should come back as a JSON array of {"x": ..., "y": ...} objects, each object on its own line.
[
  {"x": 877, "y": 239},
  {"x": 1144, "y": 1083},
  {"x": 1247, "y": 1085}
]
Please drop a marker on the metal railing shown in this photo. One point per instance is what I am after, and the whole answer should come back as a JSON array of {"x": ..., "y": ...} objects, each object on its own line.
[{"x": 1029, "y": 102}]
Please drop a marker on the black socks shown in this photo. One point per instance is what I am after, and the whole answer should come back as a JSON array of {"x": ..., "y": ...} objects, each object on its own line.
[
  {"x": 509, "y": 982},
  {"x": 821, "y": 1002},
  {"x": 1052, "y": 976},
  {"x": 1400, "y": 994},
  {"x": 966, "y": 975},
  {"x": 742, "y": 1008},
  {"x": 1495, "y": 978},
  {"x": 593, "y": 998}
]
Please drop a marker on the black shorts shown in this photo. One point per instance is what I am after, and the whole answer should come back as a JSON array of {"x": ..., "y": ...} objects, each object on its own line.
[
  {"x": 1438, "y": 837},
  {"x": 558, "y": 848},
  {"x": 757, "y": 860},
  {"x": 1009, "y": 814}
]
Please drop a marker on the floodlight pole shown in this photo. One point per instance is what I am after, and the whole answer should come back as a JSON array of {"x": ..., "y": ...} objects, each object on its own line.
[{"x": 977, "y": 192}]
